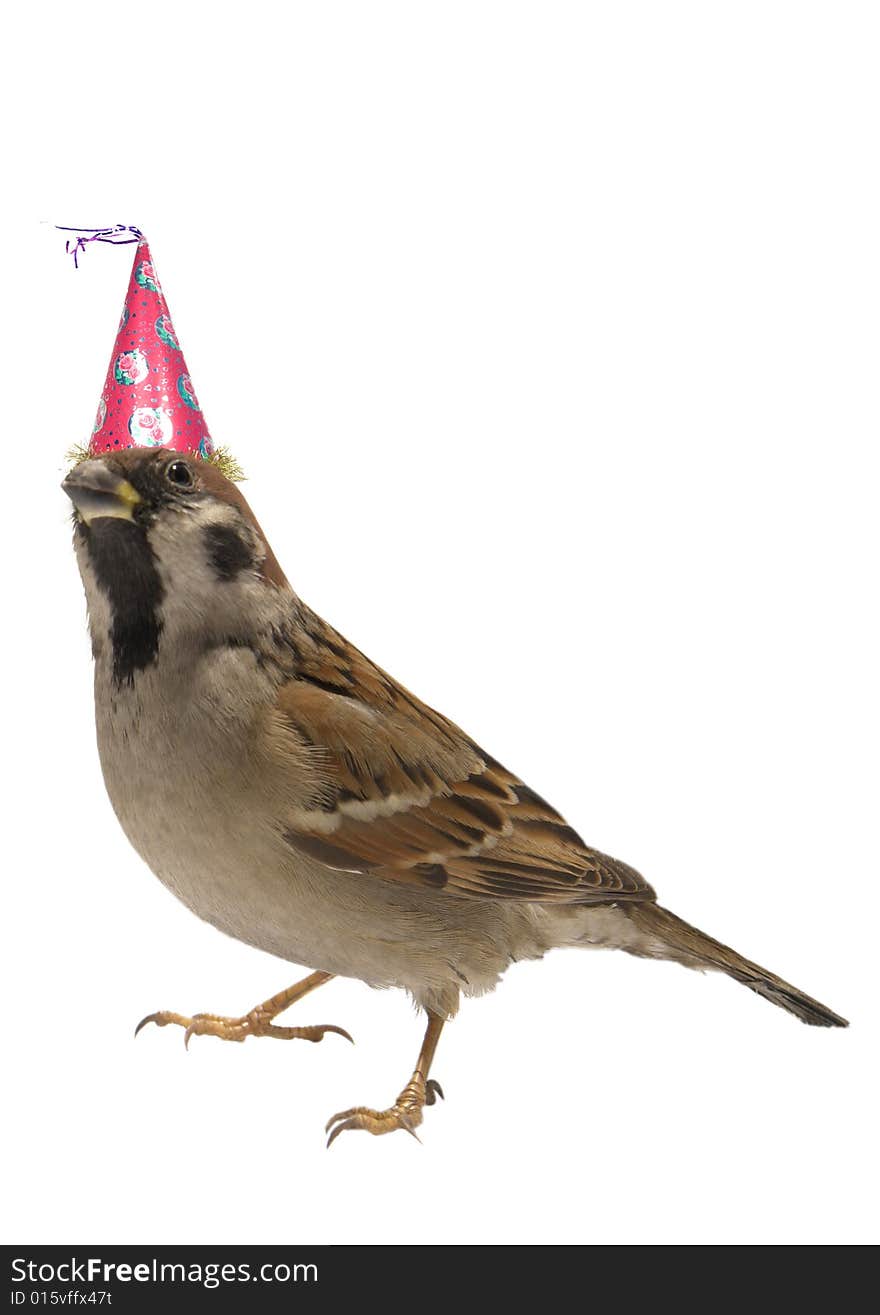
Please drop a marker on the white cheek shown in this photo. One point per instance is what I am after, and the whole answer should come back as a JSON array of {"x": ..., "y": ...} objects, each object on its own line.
[
  {"x": 196, "y": 601},
  {"x": 100, "y": 615}
]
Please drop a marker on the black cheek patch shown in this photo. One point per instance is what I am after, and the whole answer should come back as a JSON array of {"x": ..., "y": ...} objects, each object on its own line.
[{"x": 228, "y": 552}]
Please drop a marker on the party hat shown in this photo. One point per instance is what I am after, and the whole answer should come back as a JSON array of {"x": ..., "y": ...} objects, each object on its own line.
[{"x": 148, "y": 399}]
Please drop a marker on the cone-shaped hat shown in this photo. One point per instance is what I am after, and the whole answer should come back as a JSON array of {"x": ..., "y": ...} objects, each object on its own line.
[{"x": 148, "y": 398}]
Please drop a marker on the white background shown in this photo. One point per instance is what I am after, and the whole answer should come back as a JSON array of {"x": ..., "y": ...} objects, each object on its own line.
[{"x": 547, "y": 335}]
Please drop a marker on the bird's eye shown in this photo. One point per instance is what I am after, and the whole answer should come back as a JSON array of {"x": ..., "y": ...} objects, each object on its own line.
[{"x": 180, "y": 474}]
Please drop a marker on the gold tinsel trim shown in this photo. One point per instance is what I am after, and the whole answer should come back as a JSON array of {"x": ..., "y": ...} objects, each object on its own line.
[
  {"x": 76, "y": 453},
  {"x": 222, "y": 458},
  {"x": 227, "y": 464}
]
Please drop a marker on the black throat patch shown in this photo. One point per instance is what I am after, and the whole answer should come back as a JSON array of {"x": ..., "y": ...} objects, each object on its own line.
[{"x": 125, "y": 569}]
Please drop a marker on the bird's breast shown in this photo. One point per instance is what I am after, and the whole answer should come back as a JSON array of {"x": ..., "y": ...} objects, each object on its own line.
[
  {"x": 180, "y": 756},
  {"x": 186, "y": 770}
]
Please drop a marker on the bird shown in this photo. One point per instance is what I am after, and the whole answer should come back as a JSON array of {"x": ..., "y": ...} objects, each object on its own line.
[{"x": 298, "y": 798}]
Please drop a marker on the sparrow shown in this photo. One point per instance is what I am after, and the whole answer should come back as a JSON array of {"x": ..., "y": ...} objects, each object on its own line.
[{"x": 298, "y": 798}]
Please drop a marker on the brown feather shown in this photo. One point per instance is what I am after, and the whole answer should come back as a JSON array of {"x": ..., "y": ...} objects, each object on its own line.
[{"x": 412, "y": 799}]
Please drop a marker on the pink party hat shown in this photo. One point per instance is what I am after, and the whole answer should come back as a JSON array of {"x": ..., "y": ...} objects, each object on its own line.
[{"x": 148, "y": 399}]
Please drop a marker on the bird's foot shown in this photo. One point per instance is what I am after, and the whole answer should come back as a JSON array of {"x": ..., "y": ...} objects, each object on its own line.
[
  {"x": 405, "y": 1113},
  {"x": 257, "y": 1023}
]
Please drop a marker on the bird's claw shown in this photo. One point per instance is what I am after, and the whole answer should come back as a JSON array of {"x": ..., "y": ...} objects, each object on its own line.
[
  {"x": 162, "y": 1018},
  {"x": 239, "y": 1029},
  {"x": 405, "y": 1114},
  {"x": 375, "y": 1121},
  {"x": 432, "y": 1091}
]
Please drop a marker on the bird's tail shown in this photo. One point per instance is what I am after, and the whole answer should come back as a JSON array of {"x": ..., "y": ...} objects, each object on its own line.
[{"x": 697, "y": 950}]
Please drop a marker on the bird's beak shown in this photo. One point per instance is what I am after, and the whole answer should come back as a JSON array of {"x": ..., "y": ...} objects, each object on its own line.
[{"x": 96, "y": 491}]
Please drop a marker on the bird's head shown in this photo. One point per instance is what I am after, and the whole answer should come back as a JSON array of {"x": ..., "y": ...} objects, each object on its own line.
[{"x": 169, "y": 551}]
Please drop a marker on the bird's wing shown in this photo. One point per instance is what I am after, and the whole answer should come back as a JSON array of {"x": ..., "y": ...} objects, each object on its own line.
[{"x": 406, "y": 795}]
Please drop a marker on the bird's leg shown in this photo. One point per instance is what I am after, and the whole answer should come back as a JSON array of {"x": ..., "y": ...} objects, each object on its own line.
[
  {"x": 257, "y": 1023},
  {"x": 406, "y": 1112}
]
